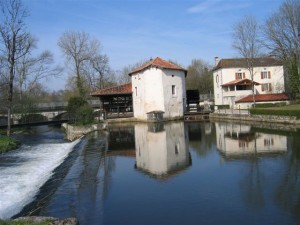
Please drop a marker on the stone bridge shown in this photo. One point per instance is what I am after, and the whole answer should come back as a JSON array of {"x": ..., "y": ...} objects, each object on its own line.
[{"x": 46, "y": 111}]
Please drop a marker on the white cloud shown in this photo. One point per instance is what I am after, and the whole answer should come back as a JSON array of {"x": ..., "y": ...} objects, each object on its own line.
[{"x": 213, "y": 6}]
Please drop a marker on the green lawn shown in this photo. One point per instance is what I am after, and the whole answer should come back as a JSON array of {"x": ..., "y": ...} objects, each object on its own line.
[{"x": 289, "y": 110}]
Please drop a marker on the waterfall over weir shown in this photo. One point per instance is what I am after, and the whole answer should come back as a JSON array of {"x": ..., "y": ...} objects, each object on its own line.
[{"x": 25, "y": 170}]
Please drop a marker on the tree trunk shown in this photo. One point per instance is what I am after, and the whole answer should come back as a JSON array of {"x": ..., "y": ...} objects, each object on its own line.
[{"x": 10, "y": 97}]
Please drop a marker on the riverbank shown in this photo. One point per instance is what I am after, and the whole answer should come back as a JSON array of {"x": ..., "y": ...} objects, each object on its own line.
[
  {"x": 35, "y": 220},
  {"x": 8, "y": 144},
  {"x": 266, "y": 119}
]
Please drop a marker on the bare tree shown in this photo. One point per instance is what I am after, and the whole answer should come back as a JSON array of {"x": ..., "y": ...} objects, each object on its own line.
[
  {"x": 30, "y": 70},
  {"x": 282, "y": 38},
  {"x": 199, "y": 76},
  {"x": 101, "y": 72},
  {"x": 78, "y": 49},
  {"x": 123, "y": 76},
  {"x": 15, "y": 43},
  {"x": 247, "y": 44}
]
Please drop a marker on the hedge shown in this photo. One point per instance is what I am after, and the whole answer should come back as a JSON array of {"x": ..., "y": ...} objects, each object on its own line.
[{"x": 276, "y": 112}]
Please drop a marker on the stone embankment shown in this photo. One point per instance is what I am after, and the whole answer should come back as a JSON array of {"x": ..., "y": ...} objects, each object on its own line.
[
  {"x": 285, "y": 120},
  {"x": 75, "y": 132}
]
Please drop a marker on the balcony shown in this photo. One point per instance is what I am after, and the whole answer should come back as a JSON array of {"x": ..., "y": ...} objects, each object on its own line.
[{"x": 237, "y": 93}]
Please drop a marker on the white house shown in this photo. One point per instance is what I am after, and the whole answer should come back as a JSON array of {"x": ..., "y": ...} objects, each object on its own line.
[
  {"x": 233, "y": 84},
  {"x": 158, "y": 87}
]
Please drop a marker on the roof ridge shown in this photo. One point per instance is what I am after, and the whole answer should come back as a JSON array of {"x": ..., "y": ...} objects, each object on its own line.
[{"x": 160, "y": 63}]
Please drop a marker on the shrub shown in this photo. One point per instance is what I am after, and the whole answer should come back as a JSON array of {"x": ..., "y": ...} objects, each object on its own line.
[
  {"x": 267, "y": 105},
  {"x": 80, "y": 111},
  {"x": 7, "y": 144},
  {"x": 75, "y": 102},
  {"x": 85, "y": 115}
]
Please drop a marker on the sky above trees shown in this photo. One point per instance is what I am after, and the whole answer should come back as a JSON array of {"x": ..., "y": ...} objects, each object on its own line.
[{"x": 133, "y": 30}]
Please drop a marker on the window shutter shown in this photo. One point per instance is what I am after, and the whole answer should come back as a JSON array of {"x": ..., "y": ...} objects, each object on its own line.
[
  {"x": 244, "y": 75},
  {"x": 269, "y": 74},
  {"x": 262, "y": 75},
  {"x": 270, "y": 87},
  {"x": 236, "y": 76},
  {"x": 262, "y": 87}
]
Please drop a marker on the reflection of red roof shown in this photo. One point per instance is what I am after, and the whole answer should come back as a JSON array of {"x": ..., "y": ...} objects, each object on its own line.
[
  {"x": 121, "y": 89},
  {"x": 160, "y": 63},
  {"x": 264, "y": 98},
  {"x": 240, "y": 82}
]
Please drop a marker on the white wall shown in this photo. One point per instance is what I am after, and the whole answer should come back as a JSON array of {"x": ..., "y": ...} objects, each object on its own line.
[
  {"x": 223, "y": 76},
  {"x": 174, "y": 104},
  {"x": 147, "y": 92},
  {"x": 152, "y": 91}
]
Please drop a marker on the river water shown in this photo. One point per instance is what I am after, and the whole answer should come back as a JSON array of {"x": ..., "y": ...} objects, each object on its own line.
[{"x": 171, "y": 173}]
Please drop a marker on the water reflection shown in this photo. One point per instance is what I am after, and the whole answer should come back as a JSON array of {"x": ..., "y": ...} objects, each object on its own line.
[
  {"x": 107, "y": 180},
  {"x": 161, "y": 149},
  {"x": 238, "y": 140},
  {"x": 121, "y": 141},
  {"x": 201, "y": 137},
  {"x": 288, "y": 191}
]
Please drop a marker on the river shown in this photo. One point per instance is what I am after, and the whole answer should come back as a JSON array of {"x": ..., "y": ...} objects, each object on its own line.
[{"x": 171, "y": 173}]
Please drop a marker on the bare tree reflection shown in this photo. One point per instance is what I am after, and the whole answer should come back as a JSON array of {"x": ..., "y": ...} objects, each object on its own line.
[
  {"x": 251, "y": 185},
  {"x": 288, "y": 192}
]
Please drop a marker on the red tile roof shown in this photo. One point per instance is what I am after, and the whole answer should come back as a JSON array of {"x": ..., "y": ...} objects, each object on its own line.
[
  {"x": 242, "y": 63},
  {"x": 240, "y": 82},
  {"x": 121, "y": 89},
  {"x": 264, "y": 98},
  {"x": 160, "y": 63}
]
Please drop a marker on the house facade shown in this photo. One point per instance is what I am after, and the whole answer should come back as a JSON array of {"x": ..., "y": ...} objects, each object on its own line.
[
  {"x": 158, "y": 87},
  {"x": 232, "y": 80}
]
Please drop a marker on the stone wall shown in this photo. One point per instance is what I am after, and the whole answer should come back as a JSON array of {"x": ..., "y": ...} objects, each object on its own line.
[
  {"x": 286, "y": 120},
  {"x": 75, "y": 132}
]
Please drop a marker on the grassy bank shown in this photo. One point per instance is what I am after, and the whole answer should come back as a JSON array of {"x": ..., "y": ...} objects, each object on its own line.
[
  {"x": 24, "y": 222},
  {"x": 289, "y": 110},
  {"x": 7, "y": 144}
]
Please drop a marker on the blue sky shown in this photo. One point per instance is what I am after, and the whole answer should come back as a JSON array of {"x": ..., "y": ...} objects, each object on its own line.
[{"x": 134, "y": 30}]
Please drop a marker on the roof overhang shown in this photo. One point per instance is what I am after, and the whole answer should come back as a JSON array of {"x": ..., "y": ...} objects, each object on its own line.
[{"x": 242, "y": 82}]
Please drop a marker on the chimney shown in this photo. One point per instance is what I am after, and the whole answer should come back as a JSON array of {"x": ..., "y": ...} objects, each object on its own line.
[{"x": 216, "y": 60}]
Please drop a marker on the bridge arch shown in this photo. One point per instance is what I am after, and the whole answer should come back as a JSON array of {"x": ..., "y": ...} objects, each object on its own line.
[{"x": 30, "y": 118}]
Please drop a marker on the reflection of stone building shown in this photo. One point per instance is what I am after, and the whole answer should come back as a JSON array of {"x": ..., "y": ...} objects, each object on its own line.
[
  {"x": 161, "y": 149},
  {"x": 234, "y": 140}
]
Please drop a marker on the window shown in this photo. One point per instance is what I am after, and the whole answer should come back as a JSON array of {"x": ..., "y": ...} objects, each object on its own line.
[
  {"x": 239, "y": 76},
  {"x": 266, "y": 87},
  {"x": 265, "y": 75},
  {"x": 268, "y": 142},
  {"x": 135, "y": 91},
  {"x": 177, "y": 149},
  {"x": 173, "y": 90}
]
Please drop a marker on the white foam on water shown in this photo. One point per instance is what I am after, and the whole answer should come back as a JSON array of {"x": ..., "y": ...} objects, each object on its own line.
[{"x": 20, "y": 182}]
